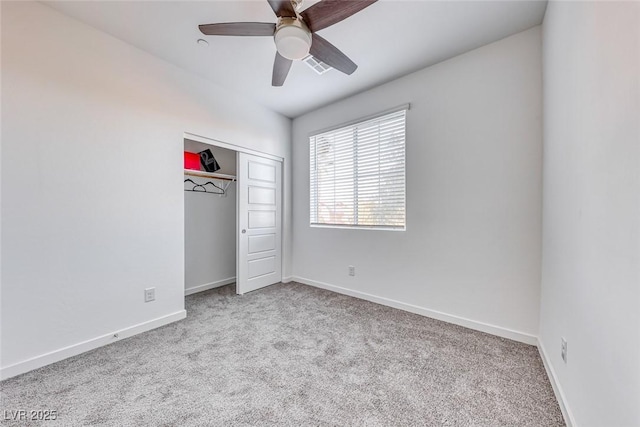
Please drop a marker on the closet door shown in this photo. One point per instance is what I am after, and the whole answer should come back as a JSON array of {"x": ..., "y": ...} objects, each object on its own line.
[{"x": 259, "y": 262}]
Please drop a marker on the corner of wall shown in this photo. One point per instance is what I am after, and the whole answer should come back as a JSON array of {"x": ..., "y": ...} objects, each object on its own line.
[{"x": 555, "y": 384}]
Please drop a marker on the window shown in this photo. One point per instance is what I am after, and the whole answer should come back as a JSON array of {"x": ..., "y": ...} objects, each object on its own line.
[{"x": 358, "y": 174}]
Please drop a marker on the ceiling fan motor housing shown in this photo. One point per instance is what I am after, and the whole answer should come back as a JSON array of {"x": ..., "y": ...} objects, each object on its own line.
[{"x": 293, "y": 38}]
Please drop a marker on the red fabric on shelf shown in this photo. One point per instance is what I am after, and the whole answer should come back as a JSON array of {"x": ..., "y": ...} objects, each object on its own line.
[{"x": 191, "y": 161}]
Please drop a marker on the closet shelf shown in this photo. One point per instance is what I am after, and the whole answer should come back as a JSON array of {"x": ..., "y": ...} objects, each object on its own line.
[{"x": 204, "y": 174}]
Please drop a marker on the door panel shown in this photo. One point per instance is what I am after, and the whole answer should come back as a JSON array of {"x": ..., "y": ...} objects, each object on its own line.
[
  {"x": 261, "y": 267},
  {"x": 262, "y": 196},
  {"x": 260, "y": 222},
  {"x": 259, "y": 171},
  {"x": 262, "y": 219},
  {"x": 266, "y": 242}
]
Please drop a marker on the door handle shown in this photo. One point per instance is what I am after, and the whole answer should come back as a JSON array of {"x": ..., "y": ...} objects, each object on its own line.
[{"x": 244, "y": 231}]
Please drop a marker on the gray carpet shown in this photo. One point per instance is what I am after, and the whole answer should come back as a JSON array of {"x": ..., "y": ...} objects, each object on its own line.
[{"x": 294, "y": 355}]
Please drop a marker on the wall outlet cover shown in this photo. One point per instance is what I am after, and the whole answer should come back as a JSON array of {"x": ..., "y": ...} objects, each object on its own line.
[{"x": 149, "y": 294}]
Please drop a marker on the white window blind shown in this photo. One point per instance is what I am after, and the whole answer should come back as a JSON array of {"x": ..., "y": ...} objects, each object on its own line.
[{"x": 358, "y": 174}]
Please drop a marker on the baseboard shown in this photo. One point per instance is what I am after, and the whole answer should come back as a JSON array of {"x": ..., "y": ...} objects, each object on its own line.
[
  {"x": 75, "y": 349},
  {"x": 555, "y": 384},
  {"x": 207, "y": 286},
  {"x": 287, "y": 279},
  {"x": 450, "y": 318}
]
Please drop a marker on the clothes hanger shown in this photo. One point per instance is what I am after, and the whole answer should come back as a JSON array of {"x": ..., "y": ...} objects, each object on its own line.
[{"x": 201, "y": 188}]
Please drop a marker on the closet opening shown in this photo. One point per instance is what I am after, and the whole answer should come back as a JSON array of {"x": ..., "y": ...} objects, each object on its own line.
[
  {"x": 209, "y": 216},
  {"x": 232, "y": 216}
]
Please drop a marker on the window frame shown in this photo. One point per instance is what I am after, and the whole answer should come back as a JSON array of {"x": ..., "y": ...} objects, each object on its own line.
[{"x": 353, "y": 123}]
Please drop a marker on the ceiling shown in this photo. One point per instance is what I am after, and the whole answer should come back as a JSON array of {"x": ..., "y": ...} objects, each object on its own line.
[{"x": 389, "y": 39}]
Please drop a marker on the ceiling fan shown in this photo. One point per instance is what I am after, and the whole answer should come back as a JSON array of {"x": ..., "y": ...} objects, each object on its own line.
[{"x": 295, "y": 33}]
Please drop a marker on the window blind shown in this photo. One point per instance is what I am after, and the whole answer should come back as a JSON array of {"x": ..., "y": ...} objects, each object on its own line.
[{"x": 358, "y": 174}]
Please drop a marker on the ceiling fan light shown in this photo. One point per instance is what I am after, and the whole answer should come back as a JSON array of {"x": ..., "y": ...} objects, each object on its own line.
[{"x": 293, "y": 42}]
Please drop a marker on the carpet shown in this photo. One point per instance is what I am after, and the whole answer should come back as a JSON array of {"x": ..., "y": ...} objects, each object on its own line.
[{"x": 294, "y": 355}]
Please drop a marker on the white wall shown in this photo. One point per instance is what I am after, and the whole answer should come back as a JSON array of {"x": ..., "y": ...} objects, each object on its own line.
[
  {"x": 591, "y": 214},
  {"x": 92, "y": 181},
  {"x": 474, "y": 150},
  {"x": 210, "y": 226}
]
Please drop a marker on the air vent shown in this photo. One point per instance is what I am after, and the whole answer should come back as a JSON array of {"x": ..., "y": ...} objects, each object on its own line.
[{"x": 317, "y": 66}]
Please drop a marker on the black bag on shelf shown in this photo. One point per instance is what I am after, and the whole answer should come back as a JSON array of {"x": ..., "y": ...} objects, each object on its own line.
[{"x": 208, "y": 161}]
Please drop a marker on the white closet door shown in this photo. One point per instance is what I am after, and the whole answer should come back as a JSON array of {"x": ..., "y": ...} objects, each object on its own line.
[{"x": 259, "y": 246}]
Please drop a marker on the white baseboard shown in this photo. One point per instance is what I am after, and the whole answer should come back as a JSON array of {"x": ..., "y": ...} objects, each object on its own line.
[
  {"x": 450, "y": 318},
  {"x": 75, "y": 349},
  {"x": 557, "y": 389},
  {"x": 287, "y": 279},
  {"x": 207, "y": 286}
]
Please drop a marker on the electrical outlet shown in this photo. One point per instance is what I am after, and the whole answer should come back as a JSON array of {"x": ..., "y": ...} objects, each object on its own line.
[
  {"x": 352, "y": 270},
  {"x": 149, "y": 294},
  {"x": 563, "y": 349}
]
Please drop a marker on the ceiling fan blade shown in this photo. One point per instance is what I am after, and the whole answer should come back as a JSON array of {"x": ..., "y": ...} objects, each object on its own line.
[
  {"x": 324, "y": 51},
  {"x": 282, "y": 8},
  {"x": 281, "y": 68},
  {"x": 328, "y": 12},
  {"x": 238, "y": 29}
]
